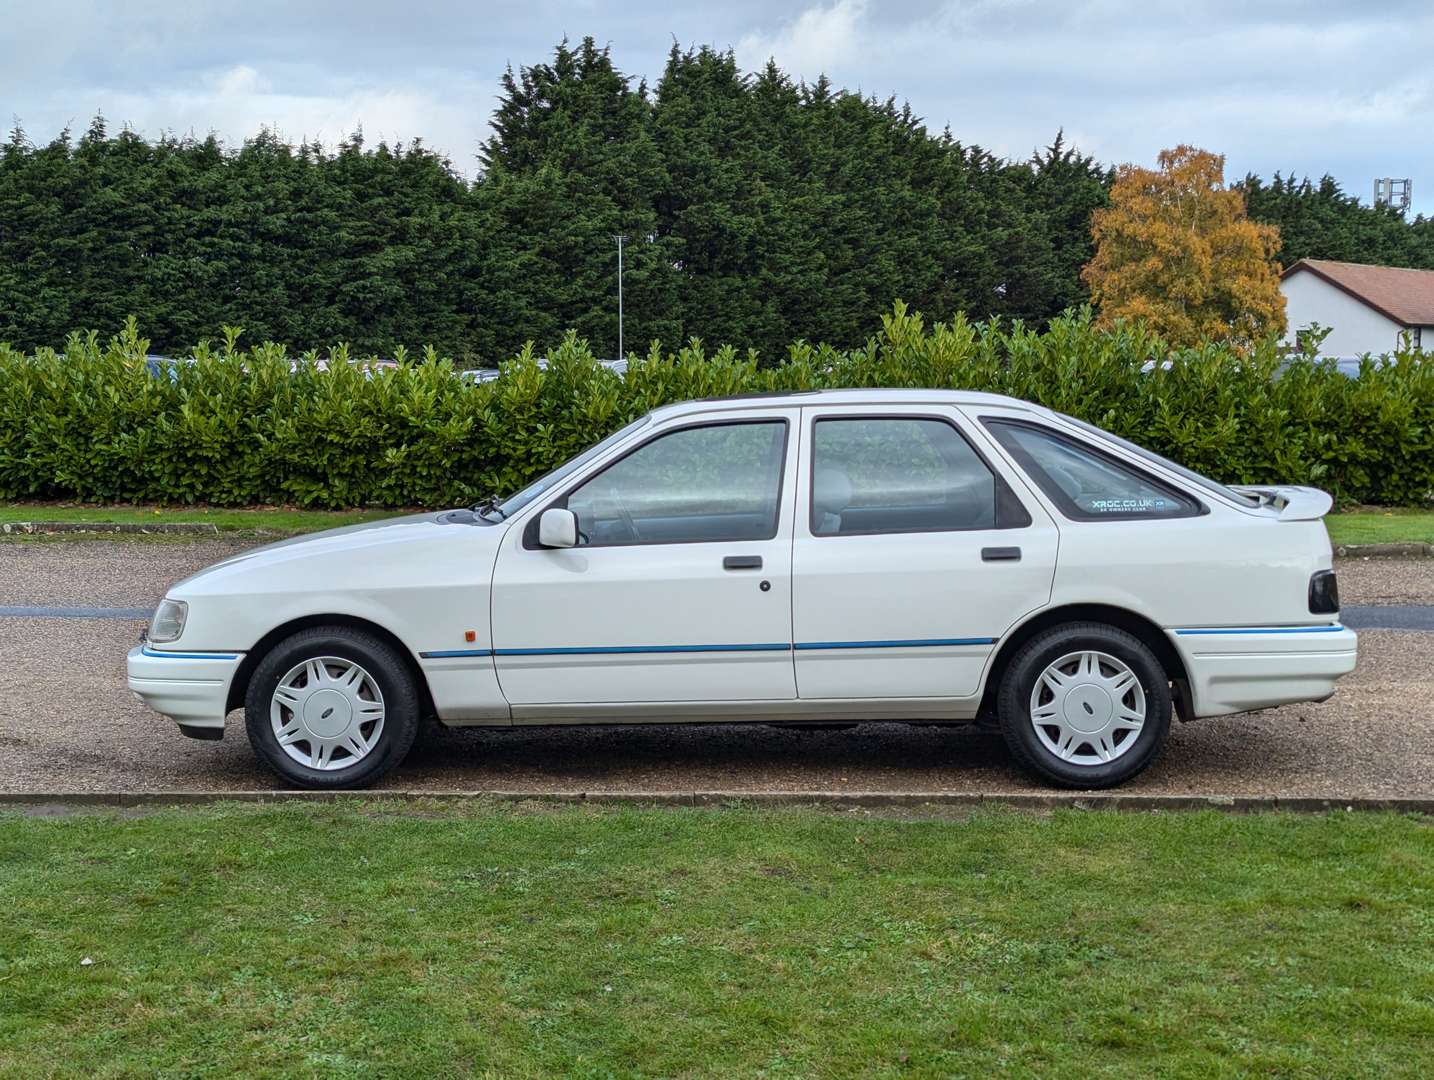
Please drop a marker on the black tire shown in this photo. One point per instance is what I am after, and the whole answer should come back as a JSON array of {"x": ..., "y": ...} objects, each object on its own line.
[
  {"x": 1014, "y": 705},
  {"x": 383, "y": 664}
]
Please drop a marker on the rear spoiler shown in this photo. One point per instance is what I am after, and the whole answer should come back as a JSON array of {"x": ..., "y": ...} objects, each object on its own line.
[{"x": 1291, "y": 503}]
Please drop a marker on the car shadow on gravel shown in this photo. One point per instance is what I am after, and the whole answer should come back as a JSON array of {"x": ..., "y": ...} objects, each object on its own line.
[
  {"x": 1220, "y": 756},
  {"x": 1340, "y": 748},
  {"x": 892, "y": 756}
]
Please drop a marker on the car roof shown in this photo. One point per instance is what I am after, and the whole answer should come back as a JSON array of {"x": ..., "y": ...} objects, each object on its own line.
[{"x": 875, "y": 396}]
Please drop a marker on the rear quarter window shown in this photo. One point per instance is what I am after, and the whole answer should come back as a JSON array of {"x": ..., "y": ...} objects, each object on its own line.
[{"x": 1087, "y": 484}]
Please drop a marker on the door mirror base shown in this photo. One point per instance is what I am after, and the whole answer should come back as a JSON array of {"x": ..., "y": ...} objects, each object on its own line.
[{"x": 558, "y": 528}]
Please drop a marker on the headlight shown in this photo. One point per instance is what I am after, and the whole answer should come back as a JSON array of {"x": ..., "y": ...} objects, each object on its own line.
[{"x": 168, "y": 621}]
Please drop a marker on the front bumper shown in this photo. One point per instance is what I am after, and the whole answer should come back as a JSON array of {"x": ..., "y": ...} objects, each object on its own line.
[
  {"x": 190, "y": 688},
  {"x": 1237, "y": 669}
]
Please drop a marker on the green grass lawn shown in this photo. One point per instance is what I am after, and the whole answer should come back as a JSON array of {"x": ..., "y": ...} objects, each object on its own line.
[
  {"x": 399, "y": 939},
  {"x": 263, "y": 519},
  {"x": 1377, "y": 525},
  {"x": 1365, "y": 526}
]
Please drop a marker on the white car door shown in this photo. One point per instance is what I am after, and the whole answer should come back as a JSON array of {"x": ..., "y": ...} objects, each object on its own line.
[
  {"x": 913, "y": 553},
  {"x": 680, "y": 587}
]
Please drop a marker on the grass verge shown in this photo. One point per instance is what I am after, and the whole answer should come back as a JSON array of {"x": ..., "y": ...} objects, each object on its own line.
[
  {"x": 1363, "y": 526},
  {"x": 383, "y": 939},
  {"x": 259, "y": 519},
  {"x": 1379, "y": 525}
]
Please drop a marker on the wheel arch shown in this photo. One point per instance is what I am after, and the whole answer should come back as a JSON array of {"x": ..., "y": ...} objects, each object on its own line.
[
  {"x": 239, "y": 685},
  {"x": 1122, "y": 618}
]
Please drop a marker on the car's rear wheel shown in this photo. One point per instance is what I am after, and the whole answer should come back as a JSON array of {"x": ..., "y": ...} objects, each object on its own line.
[
  {"x": 1085, "y": 705},
  {"x": 332, "y": 707}
]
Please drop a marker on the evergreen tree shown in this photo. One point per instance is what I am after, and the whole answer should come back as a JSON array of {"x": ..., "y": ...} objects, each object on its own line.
[
  {"x": 572, "y": 163},
  {"x": 37, "y": 301},
  {"x": 720, "y": 212},
  {"x": 1065, "y": 188},
  {"x": 757, "y": 211},
  {"x": 1321, "y": 221}
]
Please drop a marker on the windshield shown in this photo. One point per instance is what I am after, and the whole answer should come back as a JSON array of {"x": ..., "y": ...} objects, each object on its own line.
[
  {"x": 1175, "y": 467},
  {"x": 514, "y": 503}
]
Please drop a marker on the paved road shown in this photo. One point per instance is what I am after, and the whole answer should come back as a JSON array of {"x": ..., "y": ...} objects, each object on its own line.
[
  {"x": 67, "y": 722},
  {"x": 47, "y": 611},
  {"x": 1389, "y": 617}
]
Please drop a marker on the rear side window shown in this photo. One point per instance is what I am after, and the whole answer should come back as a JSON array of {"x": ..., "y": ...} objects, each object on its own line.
[
  {"x": 716, "y": 482},
  {"x": 1086, "y": 484},
  {"x": 898, "y": 474}
]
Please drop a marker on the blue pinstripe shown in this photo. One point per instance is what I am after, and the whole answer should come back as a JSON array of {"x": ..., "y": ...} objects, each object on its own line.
[
  {"x": 162, "y": 655},
  {"x": 1203, "y": 630},
  {"x": 775, "y": 646}
]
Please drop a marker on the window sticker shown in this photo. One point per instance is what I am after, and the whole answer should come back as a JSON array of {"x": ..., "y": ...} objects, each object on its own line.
[{"x": 1130, "y": 505}]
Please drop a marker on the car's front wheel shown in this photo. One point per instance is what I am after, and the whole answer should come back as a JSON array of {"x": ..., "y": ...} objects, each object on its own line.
[
  {"x": 331, "y": 707},
  {"x": 1085, "y": 705}
]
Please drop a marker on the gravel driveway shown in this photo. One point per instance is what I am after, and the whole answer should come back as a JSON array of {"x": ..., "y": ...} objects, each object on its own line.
[
  {"x": 68, "y": 723},
  {"x": 1385, "y": 581}
]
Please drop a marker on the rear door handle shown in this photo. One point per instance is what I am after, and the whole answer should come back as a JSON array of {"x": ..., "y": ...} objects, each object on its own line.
[
  {"x": 742, "y": 562},
  {"x": 1001, "y": 554}
]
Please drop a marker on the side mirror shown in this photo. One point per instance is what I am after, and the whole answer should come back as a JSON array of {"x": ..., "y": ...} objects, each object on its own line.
[{"x": 558, "y": 528}]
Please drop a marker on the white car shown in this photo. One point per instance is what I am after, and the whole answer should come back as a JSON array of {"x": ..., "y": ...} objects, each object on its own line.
[{"x": 921, "y": 555}]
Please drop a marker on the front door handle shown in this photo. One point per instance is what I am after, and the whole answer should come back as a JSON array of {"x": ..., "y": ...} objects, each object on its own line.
[
  {"x": 1001, "y": 554},
  {"x": 742, "y": 562}
]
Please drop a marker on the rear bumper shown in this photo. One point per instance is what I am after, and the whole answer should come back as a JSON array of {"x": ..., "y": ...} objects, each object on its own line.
[
  {"x": 190, "y": 688},
  {"x": 1236, "y": 669}
]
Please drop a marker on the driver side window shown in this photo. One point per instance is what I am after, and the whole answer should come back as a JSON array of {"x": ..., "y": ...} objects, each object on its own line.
[{"x": 718, "y": 482}]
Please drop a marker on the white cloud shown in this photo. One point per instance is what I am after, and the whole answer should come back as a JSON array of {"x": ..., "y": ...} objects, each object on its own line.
[
  {"x": 820, "y": 39},
  {"x": 239, "y": 80},
  {"x": 1284, "y": 85},
  {"x": 237, "y": 101},
  {"x": 1335, "y": 85}
]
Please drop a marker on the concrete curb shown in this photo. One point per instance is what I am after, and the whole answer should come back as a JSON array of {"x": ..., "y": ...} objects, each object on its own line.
[
  {"x": 837, "y": 800},
  {"x": 1383, "y": 551},
  {"x": 177, "y": 528}
]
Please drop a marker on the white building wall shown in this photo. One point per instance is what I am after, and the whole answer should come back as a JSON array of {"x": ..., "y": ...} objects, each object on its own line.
[{"x": 1355, "y": 328}]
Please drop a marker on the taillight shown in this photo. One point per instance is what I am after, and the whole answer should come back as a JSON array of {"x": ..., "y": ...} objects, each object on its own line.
[{"x": 1324, "y": 593}]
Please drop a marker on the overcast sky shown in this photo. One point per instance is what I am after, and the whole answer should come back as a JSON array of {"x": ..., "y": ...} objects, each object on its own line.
[{"x": 1343, "y": 86}]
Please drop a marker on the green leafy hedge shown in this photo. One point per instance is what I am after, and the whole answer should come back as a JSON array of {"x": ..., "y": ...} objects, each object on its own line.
[{"x": 238, "y": 426}]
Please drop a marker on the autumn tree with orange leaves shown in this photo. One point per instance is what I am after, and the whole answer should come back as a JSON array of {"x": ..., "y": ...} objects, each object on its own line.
[{"x": 1177, "y": 250}]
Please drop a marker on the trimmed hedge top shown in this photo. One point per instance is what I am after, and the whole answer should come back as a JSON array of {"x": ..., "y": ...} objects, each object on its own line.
[{"x": 239, "y": 427}]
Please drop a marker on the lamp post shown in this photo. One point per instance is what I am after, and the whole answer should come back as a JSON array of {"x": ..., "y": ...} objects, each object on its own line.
[{"x": 619, "y": 238}]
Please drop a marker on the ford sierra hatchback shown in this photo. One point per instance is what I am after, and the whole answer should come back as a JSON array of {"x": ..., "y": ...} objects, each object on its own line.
[{"x": 913, "y": 555}]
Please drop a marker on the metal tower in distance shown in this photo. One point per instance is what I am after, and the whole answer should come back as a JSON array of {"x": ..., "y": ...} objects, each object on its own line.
[{"x": 1389, "y": 191}]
